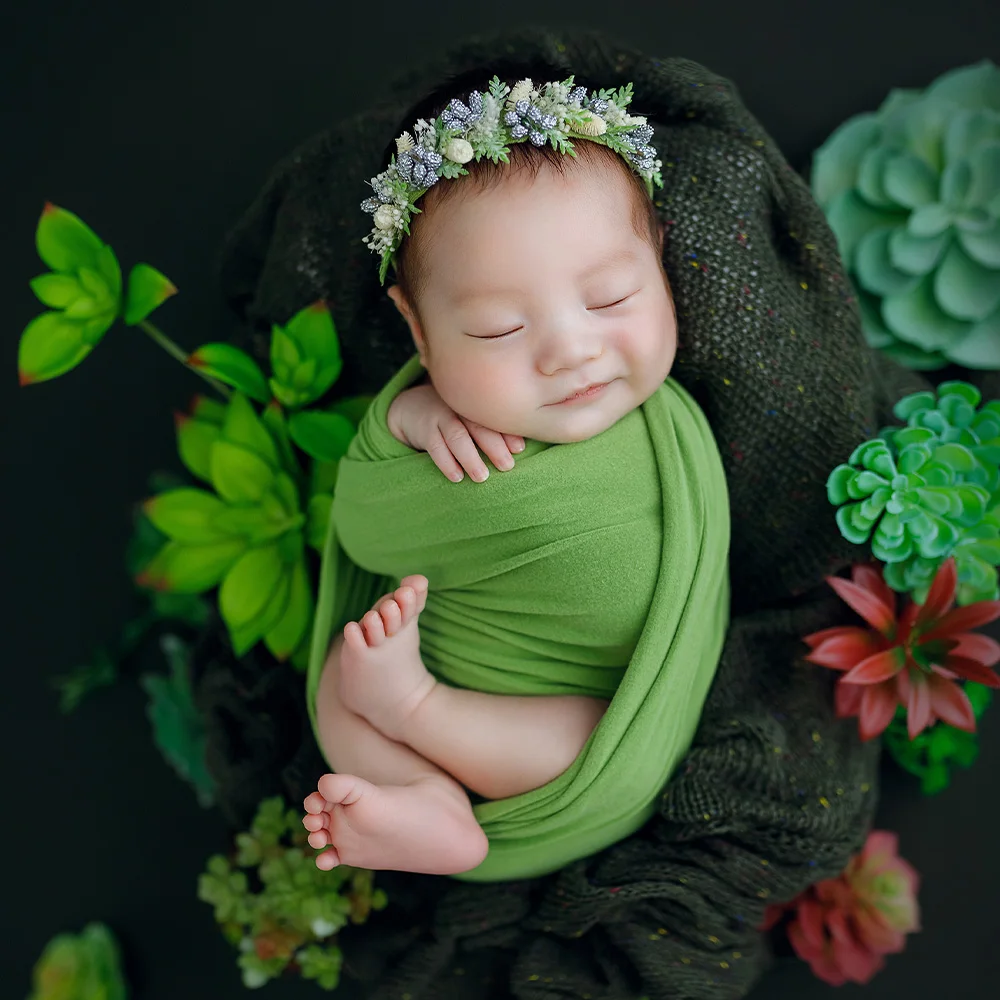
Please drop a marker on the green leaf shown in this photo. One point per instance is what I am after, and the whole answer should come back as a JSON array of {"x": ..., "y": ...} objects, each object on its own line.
[
  {"x": 274, "y": 420},
  {"x": 238, "y": 475},
  {"x": 322, "y": 963},
  {"x": 188, "y": 609},
  {"x": 249, "y": 585},
  {"x": 318, "y": 520},
  {"x": 234, "y": 367},
  {"x": 209, "y": 410},
  {"x": 147, "y": 290},
  {"x": 51, "y": 345},
  {"x": 285, "y": 356},
  {"x": 65, "y": 242},
  {"x": 195, "y": 439},
  {"x": 73, "y": 687},
  {"x": 188, "y": 515},
  {"x": 286, "y": 635},
  {"x": 178, "y": 728},
  {"x": 242, "y": 426},
  {"x": 353, "y": 407},
  {"x": 276, "y": 607},
  {"x": 56, "y": 290},
  {"x": 323, "y": 435},
  {"x": 190, "y": 569}
]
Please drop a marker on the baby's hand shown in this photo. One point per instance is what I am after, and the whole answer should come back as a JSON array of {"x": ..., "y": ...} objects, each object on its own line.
[{"x": 420, "y": 418}]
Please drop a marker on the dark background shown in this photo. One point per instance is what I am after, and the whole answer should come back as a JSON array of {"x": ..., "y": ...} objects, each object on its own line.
[{"x": 157, "y": 123}]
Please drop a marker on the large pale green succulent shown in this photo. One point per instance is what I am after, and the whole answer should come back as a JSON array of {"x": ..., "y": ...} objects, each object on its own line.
[{"x": 912, "y": 192}]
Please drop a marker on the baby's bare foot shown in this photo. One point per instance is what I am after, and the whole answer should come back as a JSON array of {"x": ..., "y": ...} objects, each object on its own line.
[
  {"x": 382, "y": 677},
  {"x": 422, "y": 827}
]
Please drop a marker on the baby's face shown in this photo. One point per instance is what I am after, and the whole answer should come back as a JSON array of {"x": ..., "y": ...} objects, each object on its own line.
[{"x": 536, "y": 289}]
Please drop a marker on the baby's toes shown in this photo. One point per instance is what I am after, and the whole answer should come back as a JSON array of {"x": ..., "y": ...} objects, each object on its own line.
[
  {"x": 319, "y": 839},
  {"x": 393, "y": 617},
  {"x": 419, "y": 584},
  {"x": 315, "y": 803},
  {"x": 315, "y": 821},
  {"x": 374, "y": 628}
]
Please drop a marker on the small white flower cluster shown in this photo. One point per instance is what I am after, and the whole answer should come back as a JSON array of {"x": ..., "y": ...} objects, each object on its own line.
[{"x": 486, "y": 126}]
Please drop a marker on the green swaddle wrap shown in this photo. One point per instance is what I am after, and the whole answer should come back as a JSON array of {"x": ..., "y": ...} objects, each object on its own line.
[{"x": 596, "y": 568}]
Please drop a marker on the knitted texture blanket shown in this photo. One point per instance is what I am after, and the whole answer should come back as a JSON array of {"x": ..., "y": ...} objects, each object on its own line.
[
  {"x": 595, "y": 568},
  {"x": 774, "y": 792}
]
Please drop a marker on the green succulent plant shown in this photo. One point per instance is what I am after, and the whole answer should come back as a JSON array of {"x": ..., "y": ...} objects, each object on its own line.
[
  {"x": 927, "y": 491},
  {"x": 84, "y": 966},
  {"x": 912, "y": 192},
  {"x": 247, "y": 534},
  {"x": 277, "y": 908}
]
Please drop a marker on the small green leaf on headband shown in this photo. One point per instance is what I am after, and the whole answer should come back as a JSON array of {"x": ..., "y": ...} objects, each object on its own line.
[
  {"x": 234, "y": 367},
  {"x": 147, "y": 290}
]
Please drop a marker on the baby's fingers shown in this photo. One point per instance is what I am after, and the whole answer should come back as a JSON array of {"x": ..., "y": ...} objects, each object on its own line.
[
  {"x": 452, "y": 450},
  {"x": 494, "y": 445}
]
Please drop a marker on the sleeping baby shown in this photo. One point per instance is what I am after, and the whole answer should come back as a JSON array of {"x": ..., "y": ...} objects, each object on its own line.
[{"x": 518, "y": 660}]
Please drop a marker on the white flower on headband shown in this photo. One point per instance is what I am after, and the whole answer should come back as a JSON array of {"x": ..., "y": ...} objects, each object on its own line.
[
  {"x": 459, "y": 150},
  {"x": 485, "y": 125}
]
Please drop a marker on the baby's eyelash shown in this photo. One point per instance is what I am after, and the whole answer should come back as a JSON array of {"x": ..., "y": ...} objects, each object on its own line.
[{"x": 497, "y": 336}]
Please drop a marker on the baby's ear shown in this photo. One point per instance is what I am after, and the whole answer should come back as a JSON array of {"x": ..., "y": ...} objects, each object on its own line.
[{"x": 399, "y": 299}]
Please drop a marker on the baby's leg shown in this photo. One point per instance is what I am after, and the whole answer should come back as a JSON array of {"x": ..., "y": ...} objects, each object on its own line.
[{"x": 386, "y": 807}]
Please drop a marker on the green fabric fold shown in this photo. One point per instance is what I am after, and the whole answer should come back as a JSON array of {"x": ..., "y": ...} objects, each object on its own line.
[{"x": 598, "y": 568}]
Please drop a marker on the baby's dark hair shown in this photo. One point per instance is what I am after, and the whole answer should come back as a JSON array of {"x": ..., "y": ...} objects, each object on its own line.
[{"x": 408, "y": 270}]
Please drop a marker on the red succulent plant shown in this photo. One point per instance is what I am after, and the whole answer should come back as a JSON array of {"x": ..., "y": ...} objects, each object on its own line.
[
  {"x": 913, "y": 660},
  {"x": 843, "y": 927}
]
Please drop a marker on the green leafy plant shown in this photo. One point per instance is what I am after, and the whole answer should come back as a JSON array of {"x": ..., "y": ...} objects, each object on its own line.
[
  {"x": 84, "y": 966},
  {"x": 178, "y": 728},
  {"x": 933, "y": 754},
  {"x": 269, "y": 475},
  {"x": 280, "y": 911},
  {"x": 912, "y": 192}
]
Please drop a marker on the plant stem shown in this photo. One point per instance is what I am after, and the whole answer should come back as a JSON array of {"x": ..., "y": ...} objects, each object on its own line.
[{"x": 175, "y": 352}]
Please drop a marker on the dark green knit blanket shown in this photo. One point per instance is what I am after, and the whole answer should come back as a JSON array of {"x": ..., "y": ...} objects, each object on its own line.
[{"x": 775, "y": 793}]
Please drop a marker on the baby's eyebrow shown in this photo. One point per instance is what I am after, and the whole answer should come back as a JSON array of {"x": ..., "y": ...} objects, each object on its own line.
[{"x": 623, "y": 255}]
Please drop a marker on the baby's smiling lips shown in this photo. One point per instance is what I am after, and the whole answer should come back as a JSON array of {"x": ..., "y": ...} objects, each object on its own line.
[{"x": 580, "y": 393}]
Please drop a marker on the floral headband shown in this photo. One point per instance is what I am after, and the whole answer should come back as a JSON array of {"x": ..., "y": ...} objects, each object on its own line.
[{"x": 486, "y": 126}]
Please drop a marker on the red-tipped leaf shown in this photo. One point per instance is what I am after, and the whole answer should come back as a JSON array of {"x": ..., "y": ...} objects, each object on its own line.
[
  {"x": 879, "y": 667},
  {"x": 870, "y": 607}
]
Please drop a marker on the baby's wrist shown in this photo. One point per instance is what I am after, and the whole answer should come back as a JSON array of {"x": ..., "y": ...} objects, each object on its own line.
[{"x": 392, "y": 422}]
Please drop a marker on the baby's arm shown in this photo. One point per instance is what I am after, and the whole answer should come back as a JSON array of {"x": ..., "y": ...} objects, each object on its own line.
[
  {"x": 420, "y": 418},
  {"x": 500, "y": 745}
]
